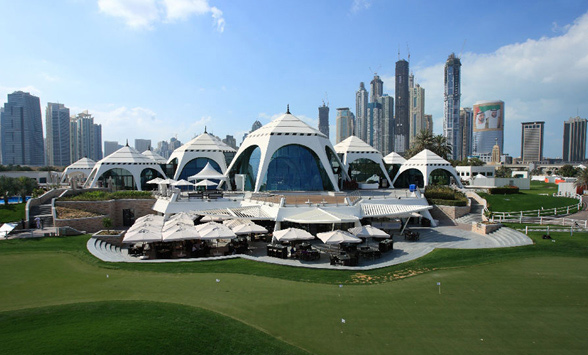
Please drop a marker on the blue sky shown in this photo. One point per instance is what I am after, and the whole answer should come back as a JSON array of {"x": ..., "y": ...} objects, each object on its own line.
[{"x": 160, "y": 68}]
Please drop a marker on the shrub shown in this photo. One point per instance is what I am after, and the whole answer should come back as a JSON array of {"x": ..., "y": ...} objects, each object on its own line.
[
  {"x": 448, "y": 202},
  {"x": 106, "y": 223},
  {"x": 445, "y": 196},
  {"x": 103, "y": 195},
  {"x": 503, "y": 190}
]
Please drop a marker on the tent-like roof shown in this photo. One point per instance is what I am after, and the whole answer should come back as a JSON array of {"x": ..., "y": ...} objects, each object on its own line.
[
  {"x": 158, "y": 158},
  {"x": 426, "y": 157},
  {"x": 394, "y": 158},
  {"x": 84, "y": 163},
  {"x": 381, "y": 210},
  {"x": 205, "y": 142},
  {"x": 354, "y": 145},
  {"x": 126, "y": 156},
  {"x": 285, "y": 125},
  {"x": 319, "y": 215},
  {"x": 207, "y": 172}
]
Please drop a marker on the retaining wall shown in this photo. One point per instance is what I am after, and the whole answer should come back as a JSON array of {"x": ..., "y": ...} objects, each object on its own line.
[{"x": 110, "y": 208}]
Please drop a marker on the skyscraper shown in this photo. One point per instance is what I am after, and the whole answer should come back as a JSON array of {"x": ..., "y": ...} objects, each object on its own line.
[
  {"x": 417, "y": 111},
  {"x": 323, "y": 124},
  {"x": 387, "y": 103},
  {"x": 111, "y": 147},
  {"x": 374, "y": 125},
  {"x": 488, "y": 127},
  {"x": 21, "y": 129},
  {"x": 402, "y": 111},
  {"x": 85, "y": 137},
  {"x": 57, "y": 135},
  {"x": 377, "y": 88},
  {"x": 452, "y": 101},
  {"x": 429, "y": 123},
  {"x": 574, "y": 139},
  {"x": 142, "y": 145},
  {"x": 345, "y": 124},
  {"x": 532, "y": 141},
  {"x": 361, "y": 102},
  {"x": 466, "y": 120}
]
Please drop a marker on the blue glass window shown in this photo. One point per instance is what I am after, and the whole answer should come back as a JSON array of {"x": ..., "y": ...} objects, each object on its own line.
[
  {"x": 363, "y": 169},
  {"x": 149, "y": 174},
  {"x": 247, "y": 163},
  {"x": 120, "y": 179},
  {"x": 194, "y": 166},
  {"x": 295, "y": 168}
]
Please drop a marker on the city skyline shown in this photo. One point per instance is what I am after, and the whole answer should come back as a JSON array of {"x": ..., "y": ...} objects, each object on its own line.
[{"x": 208, "y": 68}]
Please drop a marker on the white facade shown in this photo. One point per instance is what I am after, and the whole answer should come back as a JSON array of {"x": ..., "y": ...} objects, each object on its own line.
[
  {"x": 466, "y": 173},
  {"x": 81, "y": 168},
  {"x": 426, "y": 162},
  {"x": 354, "y": 148}
]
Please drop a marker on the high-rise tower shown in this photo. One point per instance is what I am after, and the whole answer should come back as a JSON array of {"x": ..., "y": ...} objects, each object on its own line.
[
  {"x": 376, "y": 87},
  {"x": 21, "y": 129},
  {"x": 402, "y": 111},
  {"x": 361, "y": 102},
  {"x": 345, "y": 124},
  {"x": 532, "y": 141},
  {"x": 417, "y": 111},
  {"x": 466, "y": 121},
  {"x": 323, "y": 124},
  {"x": 452, "y": 97},
  {"x": 57, "y": 134},
  {"x": 574, "y": 140},
  {"x": 387, "y": 103},
  {"x": 85, "y": 137}
]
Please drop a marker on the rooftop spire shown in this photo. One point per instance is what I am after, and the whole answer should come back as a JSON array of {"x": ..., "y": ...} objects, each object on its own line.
[
  {"x": 127, "y": 142},
  {"x": 205, "y": 129},
  {"x": 288, "y": 109}
]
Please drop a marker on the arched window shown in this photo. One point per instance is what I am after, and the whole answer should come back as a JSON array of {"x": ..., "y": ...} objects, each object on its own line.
[
  {"x": 364, "y": 170},
  {"x": 409, "y": 177},
  {"x": 121, "y": 179},
  {"x": 247, "y": 164},
  {"x": 194, "y": 166},
  {"x": 149, "y": 174},
  {"x": 295, "y": 168},
  {"x": 440, "y": 177},
  {"x": 171, "y": 167}
]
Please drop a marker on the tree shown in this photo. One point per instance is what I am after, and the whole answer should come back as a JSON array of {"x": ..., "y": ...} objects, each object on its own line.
[
  {"x": 7, "y": 188},
  {"x": 582, "y": 179},
  {"x": 567, "y": 171},
  {"x": 426, "y": 140},
  {"x": 503, "y": 172},
  {"x": 441, "y": 146},
  {"x": 25, "y": 186}
]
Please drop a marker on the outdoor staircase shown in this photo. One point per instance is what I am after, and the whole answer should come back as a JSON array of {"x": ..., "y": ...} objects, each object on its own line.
[
  {"x": 475, "y": 214},
  {"x": 45, "y": 212},
  {"x": 508, "y": 237},
  {"x": 106, "y": 251}
]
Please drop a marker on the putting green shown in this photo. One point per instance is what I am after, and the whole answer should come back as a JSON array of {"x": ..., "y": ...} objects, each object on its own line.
[{"x": 529, "y": 305}]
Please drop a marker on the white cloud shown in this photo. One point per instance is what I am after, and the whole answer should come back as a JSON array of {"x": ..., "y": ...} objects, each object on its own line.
[
  {"x": 359, "y": 5},
  {"x": 145, "y": 13},
  {"x": 539, "y": 80}
]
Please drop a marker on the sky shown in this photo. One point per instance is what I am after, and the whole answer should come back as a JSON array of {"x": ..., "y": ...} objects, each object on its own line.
[{"x": 156, "y": 69}]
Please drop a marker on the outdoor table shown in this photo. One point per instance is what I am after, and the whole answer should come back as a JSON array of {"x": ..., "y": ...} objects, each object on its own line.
[
  {"x": 370, "y": 253},
  {"x": 386, "y": 245},
  {"x": 278, "y": 251}
]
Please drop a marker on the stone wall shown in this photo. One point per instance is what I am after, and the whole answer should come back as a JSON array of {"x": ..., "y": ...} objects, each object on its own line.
[
  {"x": 483, "y": 228},
  {"x": 88, "y": 224},
  {"x": 110, "y": 208},
  {"x": 452, "y": 212}
]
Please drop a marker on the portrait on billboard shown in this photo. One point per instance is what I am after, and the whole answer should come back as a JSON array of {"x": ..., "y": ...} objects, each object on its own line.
[{"x": 488, "y": 117}]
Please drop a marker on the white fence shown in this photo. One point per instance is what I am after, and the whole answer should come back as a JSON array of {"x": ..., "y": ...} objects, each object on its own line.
[
  {"x": 548, "y": 229},
  {"x": 521, "y": 216}
]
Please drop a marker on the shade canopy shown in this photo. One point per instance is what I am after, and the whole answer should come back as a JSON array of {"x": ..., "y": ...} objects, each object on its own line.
[
  {"x": 167, "y": 182},
  {"x": 208, "y": 172},
  {"x": 150, "y": 218},
  {"x": 217, "y": 232},
  {"x": 157, "y": 180},
  {"x": 206, "y": 183},
  {"x": 180, "y": 232},
  {"x": 291, "y": 234},
  {"x": 156, "y": 227},
  {"x": 368, "y": 231},
  {"x": 142, "y": 235},
  {"x": 182, "y": 217},
  {"x": 182, "y": 183},
  {"x": 248, "y": 228},
  {"x": 337, "y": 237}
]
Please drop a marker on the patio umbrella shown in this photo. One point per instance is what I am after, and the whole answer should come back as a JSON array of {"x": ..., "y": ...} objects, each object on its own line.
[
  {"x": 368, "y": 231},
  {"x": 212, "y": 219},
  {"x": 232, "y": 223},
  {"x": 208, "y": 225},
  {"x": 248, "y": 228},
  {"x": 167, "y": 182},
  {"x": 182, "y": 217},
  {"x": 291, "y": 234},
  {"x": 206, "y": 183},
  {"x": 157, "y": 180},
  {"x": 208, "y": 172},
  {"x": 182, "y": 183},
  {"x": 180, "y": 232},
  {"x": 156, "y": 227},
  {"x": 217, "y": 232},
  {"x": 171, "y": 225},
  {"x": 150, "y": 218},
  {"x": 142, "y": 235},
  {"x": 337, "y": 237}
]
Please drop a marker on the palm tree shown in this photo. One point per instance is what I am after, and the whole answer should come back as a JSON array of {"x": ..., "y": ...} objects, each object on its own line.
[
  {"x": 582, "y": 179},
  {"x": 441, "y": 146},
  {"x": 423, "y": 140}
]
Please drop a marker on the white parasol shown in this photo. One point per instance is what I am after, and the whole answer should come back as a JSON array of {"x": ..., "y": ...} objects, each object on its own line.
[
  {"x": 337, "y": 237},
  {"x": 248, "y": 228},
  {"x": 180, "y": 232},
  {"x": 142, "y": 235},
  {"x": 291, "y": 234}
]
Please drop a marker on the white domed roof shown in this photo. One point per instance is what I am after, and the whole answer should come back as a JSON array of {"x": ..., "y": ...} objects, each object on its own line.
[
  {"x": 286, "y": 124},
  {"x": 394, "y": 158},
  {"x": 127, "y": 155},
  {"x": 354, "y": 145},
  {"x": 156, "y": 157},
  {"x": 205, "y": 142},
  {"x": 426, "y": 157},
  {"x": 84, "y": 163}
]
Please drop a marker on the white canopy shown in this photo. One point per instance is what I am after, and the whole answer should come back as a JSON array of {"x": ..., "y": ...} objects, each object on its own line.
[
  {"x": 142, "y": 235},
  {"x": 150, "y": 218},
  {"x": 208, "y": 172},
  {"x": 319, "y": 215},
  {"x": 182, "y": 217},
  {"x": 337, "y": 237},
  {"x": 290, "y": 234},
  {"x": 248, "y": 228},
  {"x": 217, "y": 232},
  {"x": 368, "y": 231},
  {"x": 157, "y": 180},
  {"x": 182, "y": 183},
  {"x": 167, "y": 181},
  {"x": 180, "y": 232},
  {"x": 206, "y": 183}
]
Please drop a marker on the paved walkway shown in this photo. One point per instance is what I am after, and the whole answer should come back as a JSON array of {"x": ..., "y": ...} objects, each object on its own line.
[{"x": 430, "y": 238}]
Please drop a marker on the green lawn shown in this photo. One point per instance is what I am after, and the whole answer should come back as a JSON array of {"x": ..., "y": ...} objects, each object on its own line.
[
  {"x": 12, "y": 212},
  {"x": 540, "y": 195},
  {"x": 517, "y": 300}
]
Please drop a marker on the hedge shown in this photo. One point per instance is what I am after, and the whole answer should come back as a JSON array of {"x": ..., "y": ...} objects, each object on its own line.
[
  {"x": 503, "y": 190},
  {"x": 103, "y": 195},
  {"x": 448, "y": 202}
]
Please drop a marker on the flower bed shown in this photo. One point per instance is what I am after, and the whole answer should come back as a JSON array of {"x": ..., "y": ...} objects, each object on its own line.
[
  {"x": 70, "y": 213},
  {"x": 108, "y": 233}
]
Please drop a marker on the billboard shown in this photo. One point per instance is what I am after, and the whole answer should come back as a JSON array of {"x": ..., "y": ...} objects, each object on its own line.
[
  {"x": 488, "y": 116},
  {"x": 488, "y": 126}
]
